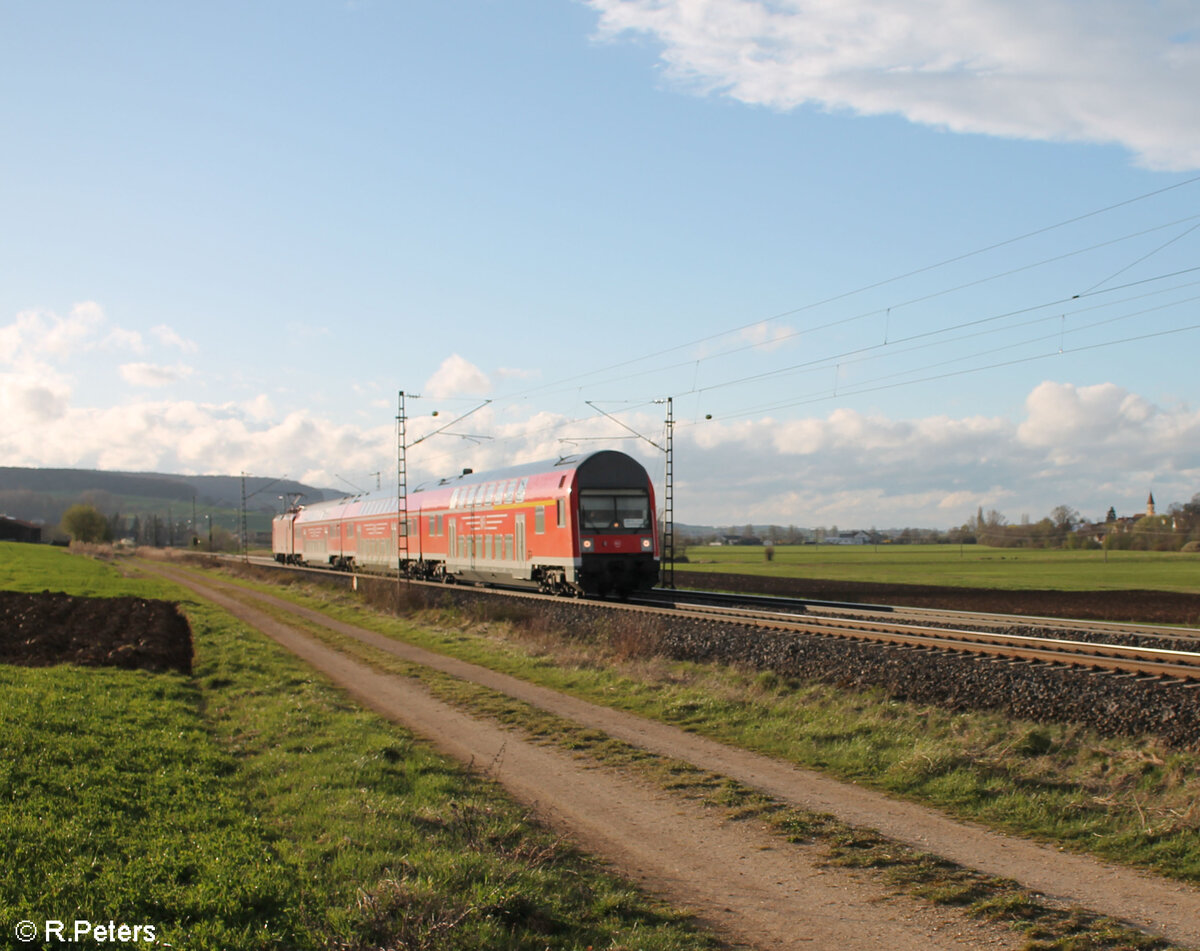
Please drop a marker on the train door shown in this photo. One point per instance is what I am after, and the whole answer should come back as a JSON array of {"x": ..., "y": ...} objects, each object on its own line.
[
  {"x": 451, "y": 542},
  {"x": 519, "y": 553}
]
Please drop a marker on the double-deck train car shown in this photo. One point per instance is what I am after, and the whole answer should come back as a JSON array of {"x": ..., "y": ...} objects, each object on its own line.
[{"x": 575, "y": 525}]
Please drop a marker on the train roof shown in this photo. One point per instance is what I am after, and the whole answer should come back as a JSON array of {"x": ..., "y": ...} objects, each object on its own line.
[{"x": 603, "y": 469}]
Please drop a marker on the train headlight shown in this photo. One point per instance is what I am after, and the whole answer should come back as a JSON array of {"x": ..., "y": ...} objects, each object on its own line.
[
  {"x": 587, "y": 544},
  {"x": 647, "y": 544}
]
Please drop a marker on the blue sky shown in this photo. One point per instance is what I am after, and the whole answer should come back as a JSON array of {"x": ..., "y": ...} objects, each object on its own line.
[{"x": 892, "y": 261}]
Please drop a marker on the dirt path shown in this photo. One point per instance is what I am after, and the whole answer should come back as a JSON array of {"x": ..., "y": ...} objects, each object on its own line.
[{"x": 745, "y": 882}]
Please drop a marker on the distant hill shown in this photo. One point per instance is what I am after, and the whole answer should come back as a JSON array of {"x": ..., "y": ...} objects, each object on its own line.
[{"x": 44, "y": 494}]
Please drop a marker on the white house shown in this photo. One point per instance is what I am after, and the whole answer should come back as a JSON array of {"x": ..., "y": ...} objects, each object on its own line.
[{"x": 848, "y": 538}]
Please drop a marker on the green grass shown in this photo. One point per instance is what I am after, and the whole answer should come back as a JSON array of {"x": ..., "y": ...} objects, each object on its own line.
[
  {"x": 37, "y": 568},
  {"x": 972, "y": 566},
  {"x": 1128, "y": 800},
  {"x": 253, "y": 806},
  {"x": 114, "y": 805}
]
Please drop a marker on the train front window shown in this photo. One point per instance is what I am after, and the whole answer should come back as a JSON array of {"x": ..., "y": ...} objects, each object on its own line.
[{"x": 605, "y": 512}]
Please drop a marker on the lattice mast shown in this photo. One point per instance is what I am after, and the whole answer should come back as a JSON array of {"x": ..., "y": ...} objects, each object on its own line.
[
  {"x": 401, "y": 489},
  {"x": 668, "y": 541}
]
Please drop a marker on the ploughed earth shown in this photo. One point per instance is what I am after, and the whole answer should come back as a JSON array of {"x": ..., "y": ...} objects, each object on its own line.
[
  {"x": 1149, "y": 607},
  {"x": 40, "y": 630}
]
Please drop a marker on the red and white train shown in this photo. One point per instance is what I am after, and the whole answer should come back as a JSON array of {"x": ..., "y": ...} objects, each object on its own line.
[{"x": 576, "y": 525}]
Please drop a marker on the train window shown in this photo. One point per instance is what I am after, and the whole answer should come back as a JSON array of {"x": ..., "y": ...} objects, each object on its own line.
[
  {"x": 539, "y": 520},
  {"x": 429, "y": 527},
  {"x": 508, "y": 547},
  {"x": 617, "y": 512},
  {"x": 454, "y": 499},
  {"x": 520, "y": 497},
  {"x": 491, "y": 490},
  {"x": 633, "y": 512},
  {"x": 561, "y": 511},
  {"x": 509, "y": 489}
]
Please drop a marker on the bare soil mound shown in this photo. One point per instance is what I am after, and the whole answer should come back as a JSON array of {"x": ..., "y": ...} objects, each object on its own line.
[
  {"x": 40, "y": 630},
  {"x": 1147, "y": 607}
]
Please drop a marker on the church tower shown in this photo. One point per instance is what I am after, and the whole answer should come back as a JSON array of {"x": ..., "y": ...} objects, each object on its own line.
[{"x": 1150, "y": 504}]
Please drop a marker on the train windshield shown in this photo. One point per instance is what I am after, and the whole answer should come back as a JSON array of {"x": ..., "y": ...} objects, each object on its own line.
[{"x": 614, "y": 511}]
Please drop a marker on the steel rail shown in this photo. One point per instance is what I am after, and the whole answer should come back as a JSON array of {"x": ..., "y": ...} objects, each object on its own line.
[{"x": 794, "y": 605}]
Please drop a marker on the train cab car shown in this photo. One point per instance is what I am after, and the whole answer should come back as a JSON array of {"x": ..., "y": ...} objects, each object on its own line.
[
  {"x": 618, "y": 544},
  {"x": 574, "y": 525}
]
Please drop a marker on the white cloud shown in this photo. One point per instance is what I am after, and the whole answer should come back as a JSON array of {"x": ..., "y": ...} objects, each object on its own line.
[
  {"x": 514, "y": 373},
  {"x": 766, "y": 335},
  {"x": 40, "y": 337},
  {"x": 171, "y": 338},
  {"x": 150, "y": 374},
  {"x": 1085, "y": 446},
  {"x": 32, "y": 400},
  {"x": 1105, "y": 72},
  {"x": 456, "y": 377}
]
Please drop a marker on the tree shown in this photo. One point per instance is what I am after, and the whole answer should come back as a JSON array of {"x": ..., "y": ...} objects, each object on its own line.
[
  {"x": 224, "y": 539},
  {"x": 1064, "y": 517},
  {"x": 84, "y": 523}
]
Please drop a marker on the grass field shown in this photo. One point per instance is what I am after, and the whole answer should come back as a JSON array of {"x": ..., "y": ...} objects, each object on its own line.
[
  {"x": 251, "y": 806},
  {"x": 971, "y": 566},
  {"x": 341, "y": 831}
]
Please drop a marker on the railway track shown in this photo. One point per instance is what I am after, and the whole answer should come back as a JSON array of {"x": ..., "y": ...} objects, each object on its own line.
[
  {"x": 1107, "y": 647},
  {"x": 1123, "y": 658},
  {"x": 927, "y": 616}
]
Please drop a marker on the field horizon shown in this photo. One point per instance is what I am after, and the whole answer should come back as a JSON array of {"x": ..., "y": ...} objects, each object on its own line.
[{"x": 957, "y": 566}]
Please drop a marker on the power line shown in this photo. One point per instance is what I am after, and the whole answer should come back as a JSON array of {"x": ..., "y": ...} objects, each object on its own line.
[
  {"x": 847, "y": 354},
  {"x": 886, "y": 281},
  {"x": 979, "y": 369}
]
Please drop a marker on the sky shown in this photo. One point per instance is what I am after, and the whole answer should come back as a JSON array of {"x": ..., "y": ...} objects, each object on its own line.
[{"x": 891, "y": 262}]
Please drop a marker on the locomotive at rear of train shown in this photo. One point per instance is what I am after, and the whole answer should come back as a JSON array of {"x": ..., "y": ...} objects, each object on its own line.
[{"x": 576, "y": 525}]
